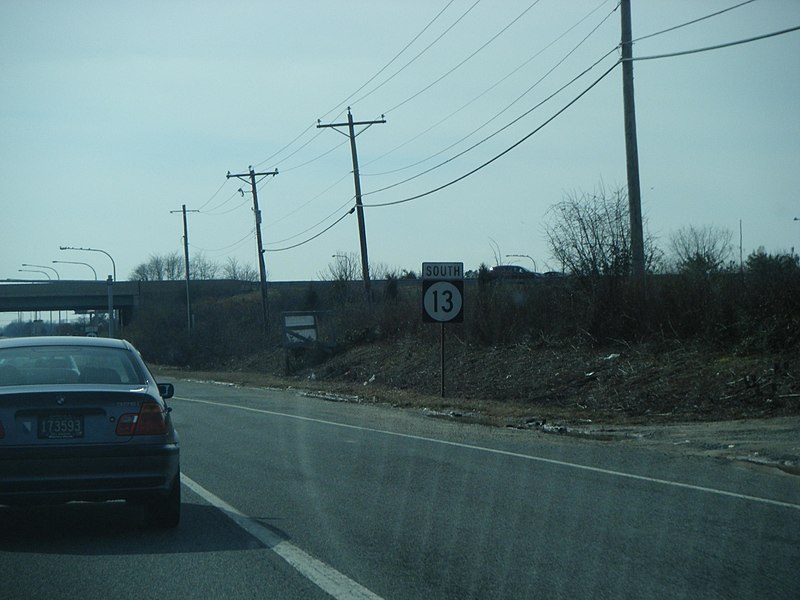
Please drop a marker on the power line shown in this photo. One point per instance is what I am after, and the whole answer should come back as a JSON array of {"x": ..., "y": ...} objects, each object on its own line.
[
  {"x": 316, "y": 158},
  {"x": 756, "y": 38},
  {"x": 427, "y": 26},
  {"x": 314, "y": 137},
  {"x": 396, "y": 56},
  {"x": 214, "y": 195},
  {"x": 718, "y": 46},
  {"x": 504, "y": 152},
  {"x": 468, "y": 58},
  {"x": 692, "y": 22},
  {"x": 246, "y": 238},
  {"x": 504, "y": 110},
  {"x": 372, "y": 78},
  {"x": 317, "y": 224},
  {"x": 227, "y": 212},
  {"x": 497, "y": 132},
  {"x": 717, "y": 13},
  {"x": 211, "y": 211},
  {"x": 344, "y": 102},
  {"x": 319, "y": 195},
  {"x": 328, "y": 228},
  {"x": 483, "y": 93},
  {"x": 277, "y": 152},
  {"x": 423, "y": 51}
]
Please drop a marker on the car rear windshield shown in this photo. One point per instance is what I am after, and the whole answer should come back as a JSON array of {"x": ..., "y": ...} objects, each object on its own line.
[{"x": 43, "y": 365}]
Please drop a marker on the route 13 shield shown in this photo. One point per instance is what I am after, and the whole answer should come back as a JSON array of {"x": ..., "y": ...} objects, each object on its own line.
[{"x": 443, "y": 301}]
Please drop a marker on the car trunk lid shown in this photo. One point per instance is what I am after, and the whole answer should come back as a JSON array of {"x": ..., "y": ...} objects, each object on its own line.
[{"x": 74, "y": 417}]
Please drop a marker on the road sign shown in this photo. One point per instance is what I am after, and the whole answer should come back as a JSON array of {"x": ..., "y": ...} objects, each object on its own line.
[
  {"x": 442, "y": 301},
  {"x": 442, "y": 270},
  {"x": 443, "y": 292}
]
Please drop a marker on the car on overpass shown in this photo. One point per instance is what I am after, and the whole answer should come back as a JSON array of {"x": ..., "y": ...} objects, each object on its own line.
[{"x": 512, "y": 273}]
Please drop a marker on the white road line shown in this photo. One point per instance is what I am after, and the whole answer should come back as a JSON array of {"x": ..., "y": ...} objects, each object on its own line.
[
  {"x": 319, "y": 573},
  {"x": 551, "y": 461}
]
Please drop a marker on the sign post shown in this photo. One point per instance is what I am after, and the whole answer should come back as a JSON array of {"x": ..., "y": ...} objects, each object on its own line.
[{"x": 442, "y": 298}]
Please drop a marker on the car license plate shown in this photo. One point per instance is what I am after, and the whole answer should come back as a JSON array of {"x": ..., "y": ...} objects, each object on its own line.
[{"x": 60, "y": 426}]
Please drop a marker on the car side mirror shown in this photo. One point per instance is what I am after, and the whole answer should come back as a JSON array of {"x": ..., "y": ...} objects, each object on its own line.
[{"x": 167, "y": 390}]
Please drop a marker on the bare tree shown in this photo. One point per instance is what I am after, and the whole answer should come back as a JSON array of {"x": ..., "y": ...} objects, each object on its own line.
[
  {"x": 381, "y": 270},
  {"x": 168, "y": 267},
  {"x": 701, "y": 249},
  {"x": 589, "y": 234},
  {"x": 235, "y": 270},
  {"x": 174, "y": 267},
  {"x": 203, "y": 268},
  {"x": 155, "y": 267},
  {"x": 345, "y": 267},
  {"x": 140, "y": 273},
  {"x": 498, "y": 256}
]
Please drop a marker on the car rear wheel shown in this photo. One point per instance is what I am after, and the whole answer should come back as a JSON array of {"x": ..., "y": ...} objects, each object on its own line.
[{"x": 166, "y": 512}]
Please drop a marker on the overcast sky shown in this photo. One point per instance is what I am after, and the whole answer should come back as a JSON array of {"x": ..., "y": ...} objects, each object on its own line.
[{"x": 115, "y": 114}]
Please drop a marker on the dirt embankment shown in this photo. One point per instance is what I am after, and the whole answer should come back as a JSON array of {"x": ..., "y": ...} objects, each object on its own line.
[{"x": 680, "y": 398}]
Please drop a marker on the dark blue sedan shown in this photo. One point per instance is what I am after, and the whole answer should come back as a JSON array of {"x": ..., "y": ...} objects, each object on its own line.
[{"x": 84, "y": 419}]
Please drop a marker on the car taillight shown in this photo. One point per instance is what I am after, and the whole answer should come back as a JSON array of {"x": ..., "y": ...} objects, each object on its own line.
[{"x": 150, "y": 420}]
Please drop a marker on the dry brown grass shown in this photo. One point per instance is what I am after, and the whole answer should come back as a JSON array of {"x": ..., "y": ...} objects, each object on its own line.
[{"x": 517, "y": 383}]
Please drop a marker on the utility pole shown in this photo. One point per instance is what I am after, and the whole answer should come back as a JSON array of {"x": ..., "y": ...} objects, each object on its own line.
[
  {"x": 631, "y": 148},
  {"x": 362, "y": 231},
  {"x": 186, "y": 261},
  {"x": 262, "y": 269}
]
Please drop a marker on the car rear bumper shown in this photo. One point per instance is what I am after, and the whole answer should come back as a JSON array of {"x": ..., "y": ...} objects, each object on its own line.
[{"x": 95, "y": 473}]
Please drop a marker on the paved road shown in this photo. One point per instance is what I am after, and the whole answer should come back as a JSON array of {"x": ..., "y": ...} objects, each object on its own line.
[{"x": 294, "y": 497}]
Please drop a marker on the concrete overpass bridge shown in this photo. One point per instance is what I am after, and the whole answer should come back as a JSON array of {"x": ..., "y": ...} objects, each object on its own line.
[
  {"x": 65, "y": 295},
  {"x": 127, "y": 297},
  {"x": 130, "y": 299}
]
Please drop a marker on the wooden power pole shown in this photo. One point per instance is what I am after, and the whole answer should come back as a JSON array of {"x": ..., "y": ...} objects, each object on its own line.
[
  {"x": 186, "y": 263},
  {"x": 631, "y": 148},
  {"x": 262, "y": 269},
  {"x": 362, "y": 230}
]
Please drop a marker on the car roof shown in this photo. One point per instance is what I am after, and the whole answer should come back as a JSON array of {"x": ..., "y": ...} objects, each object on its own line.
[{"x": 64, "y": 340}]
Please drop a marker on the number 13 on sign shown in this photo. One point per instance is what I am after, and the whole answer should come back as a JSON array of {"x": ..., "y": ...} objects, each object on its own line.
[{"x": 443, "y": 301}]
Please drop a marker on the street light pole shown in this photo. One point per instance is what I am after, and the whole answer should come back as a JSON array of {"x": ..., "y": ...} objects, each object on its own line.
[
  {"x": 110, "y": 281},
  {"x": 72, "y": 262},
  {"x": 113, "y": 264},
  {"x": 57, "y": 277},
  {"x": 45, "y": 273},
  {"x": 523, "y": 256},
  {"x": 43, "y": 267}
]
